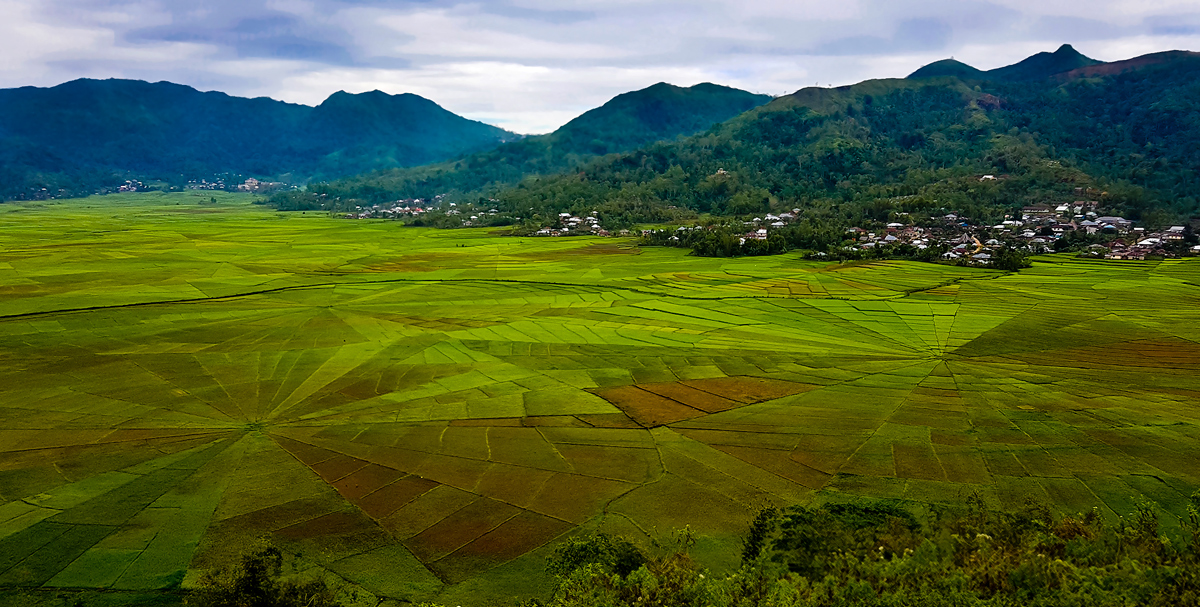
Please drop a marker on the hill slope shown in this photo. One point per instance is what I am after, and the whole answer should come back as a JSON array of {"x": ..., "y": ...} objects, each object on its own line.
[
  {"x": 81, "y": 131},
  {"x": 628, "y": 121},
  {"x": 911, "y": 146}
]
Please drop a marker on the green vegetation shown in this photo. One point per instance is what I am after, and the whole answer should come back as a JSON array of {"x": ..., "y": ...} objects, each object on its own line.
[
  {"x": 255, "y": 582},
  {"x": 89, "y": 135},
  {"x": 659, "y": 113},
  {"x": 879, "y": 554},
  {"x": 429, "y": 415},
  {"x": 885, "y": 150}
]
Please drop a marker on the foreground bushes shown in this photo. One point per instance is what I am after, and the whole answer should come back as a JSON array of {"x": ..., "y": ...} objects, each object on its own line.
[
  {"x": 865, "y": 554},
  {"x": 256, "y": 582},
  {"x": 878, "y": 554}
]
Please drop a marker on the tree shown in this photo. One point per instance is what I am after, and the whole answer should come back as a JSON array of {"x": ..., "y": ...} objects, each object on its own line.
[{"x": 255, "y": 582}]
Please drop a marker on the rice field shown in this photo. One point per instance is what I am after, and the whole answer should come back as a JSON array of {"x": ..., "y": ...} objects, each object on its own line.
[{"x": 421, "y": 414}]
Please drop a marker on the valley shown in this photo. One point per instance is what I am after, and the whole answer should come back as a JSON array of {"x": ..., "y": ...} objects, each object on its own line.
[{"x": 423, "y": 414}]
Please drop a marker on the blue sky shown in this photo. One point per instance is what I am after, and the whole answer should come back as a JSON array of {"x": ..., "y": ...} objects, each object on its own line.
[{"x": 531, "y": 65}]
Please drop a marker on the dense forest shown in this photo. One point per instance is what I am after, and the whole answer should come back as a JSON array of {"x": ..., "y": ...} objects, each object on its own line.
[{"x": 867, "y": 152}]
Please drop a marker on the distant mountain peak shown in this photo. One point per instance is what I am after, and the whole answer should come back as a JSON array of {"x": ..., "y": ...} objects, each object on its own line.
[
  {"x": 1038, "y": 67},
  {"x": 947, "y": 67}
]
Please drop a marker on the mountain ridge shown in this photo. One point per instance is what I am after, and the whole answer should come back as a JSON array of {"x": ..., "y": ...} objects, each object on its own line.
[
  {"x": 84, "y": 128},
  {"x": 887, "y": 150},
  {"x": 1036, "y": 67},
  {"x": 659, "y": 112}
]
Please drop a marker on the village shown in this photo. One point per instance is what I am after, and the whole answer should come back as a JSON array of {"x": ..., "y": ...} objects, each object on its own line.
[{"x": 1077, "y": 226}]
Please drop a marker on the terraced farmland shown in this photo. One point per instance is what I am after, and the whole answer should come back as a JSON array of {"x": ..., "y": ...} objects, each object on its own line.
[{"x": 421, "y": 413}]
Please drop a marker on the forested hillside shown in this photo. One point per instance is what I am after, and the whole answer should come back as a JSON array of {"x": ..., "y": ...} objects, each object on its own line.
[
  {"x": 90, "y": 134},
  {"x": 914, "y": 145},
  {"x": 659, "y": 113}
]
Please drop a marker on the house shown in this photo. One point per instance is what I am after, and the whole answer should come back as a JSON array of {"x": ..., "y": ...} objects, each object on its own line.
[{"x": 1119, "y": 223}]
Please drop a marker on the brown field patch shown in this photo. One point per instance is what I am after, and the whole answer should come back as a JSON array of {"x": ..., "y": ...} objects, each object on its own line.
[
  {"x": 608, "y": 420},
  {"x": 653, "y": 404},
  {"x": 748, "y": 390},
  {"x": 381, "y": 503},
  {"x": 338, "y": 467},
  {"x": 304, "y": 452},
  {"x": 366, "y": 480},
  {"x": 459, "y": 529},
  {"x": 692, "y": 397},
  {"x": 646, "y": 408},
  {"x": 518, "y": 535}
]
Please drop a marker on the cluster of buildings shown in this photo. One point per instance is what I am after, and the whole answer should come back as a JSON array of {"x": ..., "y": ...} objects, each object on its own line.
[
  {"x": 204, "y": 184},
  {"x": 1037, "y": 230},
  {"x": 760, "y": 225},
  {"x": 396, "y": 210},
  {"x": 1142, "y": 245},
  {"x": 131, "y": 186},
  {"x": 569, "y": 224},
  {"x": 254, "y": 185}
]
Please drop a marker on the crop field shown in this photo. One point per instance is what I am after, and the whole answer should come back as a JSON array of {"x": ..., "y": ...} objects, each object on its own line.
[{"x": 423, "y": 413}]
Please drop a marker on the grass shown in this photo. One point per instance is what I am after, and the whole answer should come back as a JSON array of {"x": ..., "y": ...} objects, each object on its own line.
[{"x": 419, "y": 412}]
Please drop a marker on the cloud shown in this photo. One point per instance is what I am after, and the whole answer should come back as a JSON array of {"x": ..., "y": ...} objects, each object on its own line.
[{"x": 531, "y": 65}]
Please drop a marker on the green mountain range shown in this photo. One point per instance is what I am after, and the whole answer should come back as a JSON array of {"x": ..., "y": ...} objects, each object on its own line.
[
  {"x": 658, "y": 113},
  {"x": 1056, "y": 127},
  {"x": 88, "y": 134}
]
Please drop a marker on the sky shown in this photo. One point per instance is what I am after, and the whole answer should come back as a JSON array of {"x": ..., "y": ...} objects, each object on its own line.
[{"x": 532, "y": 65}]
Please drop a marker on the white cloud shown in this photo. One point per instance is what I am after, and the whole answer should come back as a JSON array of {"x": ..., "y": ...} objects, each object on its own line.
[{"x": 531, "y": 65}]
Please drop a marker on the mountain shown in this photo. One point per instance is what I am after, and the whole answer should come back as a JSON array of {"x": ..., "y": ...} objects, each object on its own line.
[
  {"x": 885, "y": 150},
  {"x": 87, "y": 130},
  {"x": 1044, "y": 65},
  {"x": 656, "y": 113},
  {"x": 660, "y": 112},
  {"x": 1037, "y": 67},
  {"x": 949, "y": 67}
]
